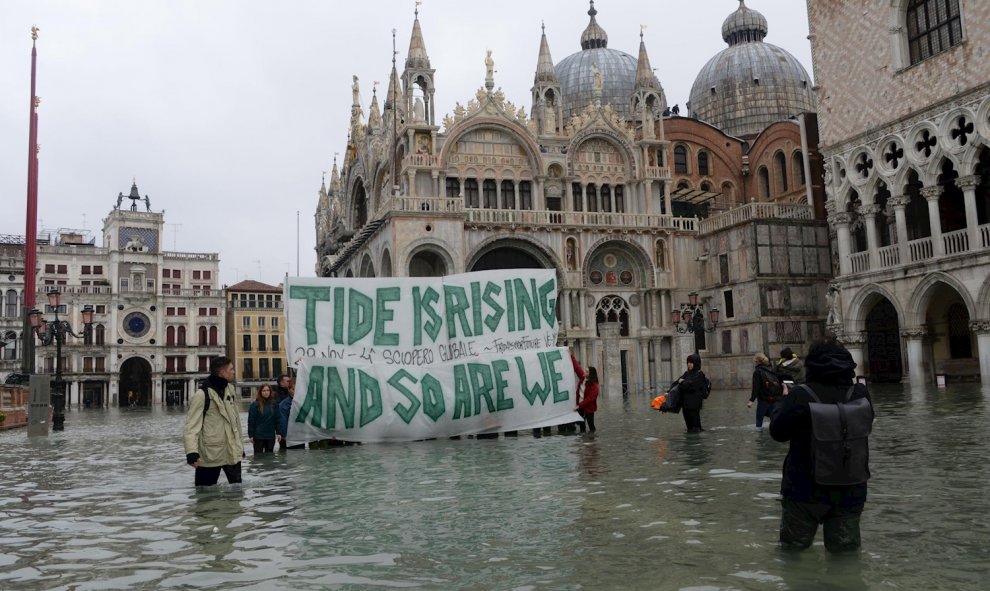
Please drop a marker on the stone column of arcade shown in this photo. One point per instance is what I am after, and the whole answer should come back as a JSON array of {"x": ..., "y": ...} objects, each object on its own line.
[
  {"x": 982, "y": 330},
  {"x": 914, "y": 338},
  {"x": 856, "y": 342},
  {"x": 869, "y": 213},
  {"x": 931, "y": 194},
  {"x": 968, "y": 185},
  {"x": 899, "y": 203},
  {"x": 840, "y": 221}
]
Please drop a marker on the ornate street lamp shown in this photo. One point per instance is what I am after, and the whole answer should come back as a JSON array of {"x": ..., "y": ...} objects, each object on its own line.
[
  {"x": 57, "y": 331},
  {"x": 690, "y": 317}
]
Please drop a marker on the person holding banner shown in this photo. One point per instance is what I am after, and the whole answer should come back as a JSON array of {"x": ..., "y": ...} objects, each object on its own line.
[
  {"x": 212, "y": 434},
  {"x": 580, "y": 375},
  {"x": 589, "y": 403},
  {"x": 284, "y": 408}
]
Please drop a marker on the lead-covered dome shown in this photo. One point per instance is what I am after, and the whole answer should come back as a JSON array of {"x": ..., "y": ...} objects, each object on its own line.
[
  {"x": 576, "y": 73},
  {"x": 751, "y": 84}
]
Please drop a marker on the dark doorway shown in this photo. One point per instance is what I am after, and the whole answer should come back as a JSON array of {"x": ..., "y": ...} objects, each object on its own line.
[
  {"x": 624, "y": 369},
  {"x": 506, "y": 258},
  {"x": 92, "y": 394},
  {"x": 175, "y": 392},
  {"x": 135, "y": 383},
  {"x": 884, "y": 343}
]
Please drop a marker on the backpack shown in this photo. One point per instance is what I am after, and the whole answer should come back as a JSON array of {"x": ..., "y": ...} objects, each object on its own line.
[
  {"x": 672, "y": 403},
  {"x": 772, "y": 388},
  {"x": 840, "y": 446}
]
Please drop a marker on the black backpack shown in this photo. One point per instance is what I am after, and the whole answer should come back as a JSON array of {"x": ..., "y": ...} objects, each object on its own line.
[
  {"x": 773, "y": 389},
  {"x": 840, "y": 445}
]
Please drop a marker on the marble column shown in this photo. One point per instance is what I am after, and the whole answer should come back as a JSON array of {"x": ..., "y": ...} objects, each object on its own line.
[
  {"x": 856, "y": 344},
  {"x": 982, "y": 330},
  {"x": 968, "y": 185},
  {"x": 612, "y": 375},
  {"x": 899, "y": 203},
  {"x": 840, "y": 221},
  {"x": 931, "y": 194},
  {"x": 869, "y": 213},
  {"x": 914, "y": 339}
]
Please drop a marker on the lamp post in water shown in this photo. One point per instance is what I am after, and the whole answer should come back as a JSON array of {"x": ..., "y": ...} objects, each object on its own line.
[
  {"x": 57, "y": 331},
  {"x": 690, "y": 318}
]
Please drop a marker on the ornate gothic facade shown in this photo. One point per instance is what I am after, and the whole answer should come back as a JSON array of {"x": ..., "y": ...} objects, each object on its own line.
[{"x": 633, "y": 205}]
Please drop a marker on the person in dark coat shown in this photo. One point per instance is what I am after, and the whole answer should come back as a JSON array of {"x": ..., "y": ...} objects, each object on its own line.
[
  {"x": 262, "y": 421},
  {"x": 589, "y": 402},
  {"x": 693, "y": 389},
  {"x": 830, "y": 371},
  {"x": 765, "y": 402},
  {"x": 284, "y": 408},
  {"x": 281, "y": 393}
]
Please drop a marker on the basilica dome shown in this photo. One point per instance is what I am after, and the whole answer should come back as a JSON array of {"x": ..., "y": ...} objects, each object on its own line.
[
  {"x": 576, "y": 73},
  {"x": 750, "y": 84}
]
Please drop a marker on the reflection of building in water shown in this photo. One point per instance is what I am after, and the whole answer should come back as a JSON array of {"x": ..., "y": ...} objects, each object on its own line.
[
  {"x": 632, "y": 205},
  {"x": 159, "y": 317},
  {"x": 905, "y": 137}
]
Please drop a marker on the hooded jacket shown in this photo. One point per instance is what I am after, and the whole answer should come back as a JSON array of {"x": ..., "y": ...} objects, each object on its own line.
[
  {"x": 830, "y": 375},
  {"x": 693, "y": 387},
  {"x": 216, "y": 437},
  {"x": 791, "y": 369}
]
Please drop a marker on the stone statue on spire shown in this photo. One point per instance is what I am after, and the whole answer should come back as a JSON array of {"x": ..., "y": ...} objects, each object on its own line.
[{"x": 489, "y": 70}]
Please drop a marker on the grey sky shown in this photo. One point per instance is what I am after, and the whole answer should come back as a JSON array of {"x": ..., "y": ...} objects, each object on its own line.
[{"x": 227, "y": 112}]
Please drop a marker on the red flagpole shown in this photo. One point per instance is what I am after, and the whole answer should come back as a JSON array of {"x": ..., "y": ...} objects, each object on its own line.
[{"x": 31, "y": 225}]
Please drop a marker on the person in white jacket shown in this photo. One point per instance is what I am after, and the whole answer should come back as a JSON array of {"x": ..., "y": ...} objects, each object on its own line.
[{"x": 212, "y": 434}]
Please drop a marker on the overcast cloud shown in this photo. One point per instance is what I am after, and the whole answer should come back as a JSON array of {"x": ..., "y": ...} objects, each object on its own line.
[{"x": 227, "y": 112}]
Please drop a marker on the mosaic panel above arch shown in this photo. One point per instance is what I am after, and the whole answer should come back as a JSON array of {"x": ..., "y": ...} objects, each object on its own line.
[
  {"x": 488, "y": 146},
  {"x": 611, "y": 268}
]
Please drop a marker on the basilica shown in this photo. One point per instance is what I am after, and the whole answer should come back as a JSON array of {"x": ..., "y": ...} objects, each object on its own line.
[{"x": 669, "y": 232}]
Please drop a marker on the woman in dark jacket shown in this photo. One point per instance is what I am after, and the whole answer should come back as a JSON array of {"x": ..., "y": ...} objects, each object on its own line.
[
  {"x": 262, "y": 420},
  {"x": 830, "y": 370},
  {"x": 693, "y": 386}
]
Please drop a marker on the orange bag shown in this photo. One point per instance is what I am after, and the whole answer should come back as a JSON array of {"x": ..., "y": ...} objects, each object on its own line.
[{"x": 658, "y": 401}]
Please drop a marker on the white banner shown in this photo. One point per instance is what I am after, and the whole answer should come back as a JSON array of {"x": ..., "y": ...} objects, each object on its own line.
[
  {"x": 487, "y": 394},
  {"x": 421, "y": 321},
  {"x": 402, "y": 358}
]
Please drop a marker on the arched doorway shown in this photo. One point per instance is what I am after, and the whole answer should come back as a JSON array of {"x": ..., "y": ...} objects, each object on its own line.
[
  {"x": 952, "y": 343},
  {"x": 884, "y": 343},
  {"x": 426, "y": 263},
  {"x": 135, "y": 378},
  {"x": 506, "y": 257}
]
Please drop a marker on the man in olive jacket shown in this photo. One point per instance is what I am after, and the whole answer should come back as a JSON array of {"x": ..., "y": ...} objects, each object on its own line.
[{"x": 213, "y": 438}]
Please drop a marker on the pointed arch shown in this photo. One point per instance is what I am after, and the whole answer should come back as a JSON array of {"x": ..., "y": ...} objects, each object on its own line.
[
  {"x": 921, "y": 296},
  {"x": 860, "y": 305}
]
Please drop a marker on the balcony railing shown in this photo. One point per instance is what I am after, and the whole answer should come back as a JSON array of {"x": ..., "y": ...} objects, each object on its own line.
[
  {"x": 920, "y": 249},
  {"x": 191, "y": 256},
  {"x": 193, "y": 292},
  {"x": 985, "y": 235},
  {"x": 860, "y": 261},
  {"x": 956, "y": 242},
  {"x": 476, "y": 215},
  {"x": 657, "y": 172},
  {"x": 756, "y": 211},
  {"x": 890, "y": 256}
]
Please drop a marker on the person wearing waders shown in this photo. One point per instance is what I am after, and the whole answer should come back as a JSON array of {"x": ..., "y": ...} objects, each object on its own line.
[
  {"x": 806, "y": 504},
  {"x": 693, "y": 388},
  {"x": 212, "y": 434}
]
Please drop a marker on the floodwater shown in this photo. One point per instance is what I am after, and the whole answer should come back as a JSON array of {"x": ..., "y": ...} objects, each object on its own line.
[{"x": 109, "y": 504}]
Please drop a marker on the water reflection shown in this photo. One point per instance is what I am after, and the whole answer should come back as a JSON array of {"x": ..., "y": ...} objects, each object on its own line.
[{"x": 640, "y": 504}]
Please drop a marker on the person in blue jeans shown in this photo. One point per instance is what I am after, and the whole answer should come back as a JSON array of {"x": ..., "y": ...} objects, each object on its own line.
[{"x": 761, "y": 393}]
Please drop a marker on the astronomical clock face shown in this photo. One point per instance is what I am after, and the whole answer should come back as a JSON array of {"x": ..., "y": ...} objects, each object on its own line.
[{"x": 136, "y": 324}]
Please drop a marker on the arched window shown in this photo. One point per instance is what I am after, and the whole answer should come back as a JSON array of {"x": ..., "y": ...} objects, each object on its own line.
[
  {"x": 10, "y": 351},
  {"x": 12, "y": 304},
  {"x": 453, "y": 188},
  {"x": 780, "y": 173},
  {"x": 202, "y": 335},
  {"x": 508, "y": 195},
  {"x": 471, "y": 192},
  {"x": 620, "y": 200},
  {"x": 764, "y": 183},
  {"x": 680, "y": 160},
  {"x": 703, "y": 163},
  {"x": 932, "y": 27},
  {"x": 489, "y": 193},
  {"x": 213, "y": 335},
  {"x": 101, "y": 334},
  {"x": 578, "y": 199},
  {"x": 592, "y": 192},
  {"x": 526, "y": 195},
  {"x": 360, "y": 205},
  {"x": 181, "y": 336},
  {"x": 612, "y": 308},
  {"x": 170, "y": 336},
  {"x": 797, "y": 165},
  {"x": 606, "y": 198}
]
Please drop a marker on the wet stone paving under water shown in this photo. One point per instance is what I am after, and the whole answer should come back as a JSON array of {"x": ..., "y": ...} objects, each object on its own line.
[{"x": 109, "y": 504}]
